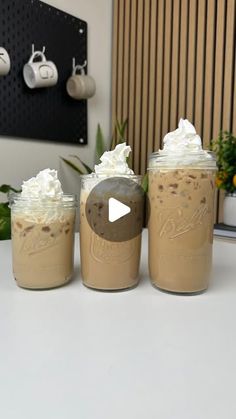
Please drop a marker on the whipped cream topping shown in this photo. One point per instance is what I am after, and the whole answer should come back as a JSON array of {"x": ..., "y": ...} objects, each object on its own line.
[
  {"x": 42, "y": 199},
  {"x": 183, "y": 140},
  {"x": 45, "y": 186},
  {"x": 182, "y": 147},
  {"x": 115, "y": 162}
]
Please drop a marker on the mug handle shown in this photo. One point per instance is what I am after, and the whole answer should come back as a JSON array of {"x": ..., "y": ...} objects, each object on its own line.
[{"x": 37, "y": 54}]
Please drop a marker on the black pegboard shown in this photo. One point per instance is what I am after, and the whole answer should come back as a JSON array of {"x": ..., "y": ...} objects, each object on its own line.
[{"x": 47, "y": 113}]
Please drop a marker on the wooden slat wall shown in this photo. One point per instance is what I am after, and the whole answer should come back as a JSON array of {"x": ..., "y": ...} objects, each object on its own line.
[{"x": 172, "y": 59}]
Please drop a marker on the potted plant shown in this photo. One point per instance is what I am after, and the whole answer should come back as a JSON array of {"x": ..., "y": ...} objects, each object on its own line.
[
  {"x": 225, "y": 149},
  {"x": 5, "y": 214}
]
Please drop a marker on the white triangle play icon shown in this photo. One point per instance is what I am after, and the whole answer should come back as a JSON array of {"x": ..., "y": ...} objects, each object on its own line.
[{"x": 116, "y": 209}]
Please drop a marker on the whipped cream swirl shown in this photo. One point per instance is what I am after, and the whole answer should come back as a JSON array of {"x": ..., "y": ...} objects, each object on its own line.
[
  {"x": 115, "y": 162},
  {"x": 183, "y": 140},
  {"x": 182, "y": 147},
  {"x": 45, "y": 186},
  {"x": 41, "y": 199}
]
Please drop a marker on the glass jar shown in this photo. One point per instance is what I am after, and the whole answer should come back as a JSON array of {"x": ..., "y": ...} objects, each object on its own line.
[
  {"x": 42, "y": 240},
  {"x": 181, "y": 198},
  {"x": 229, "y": 209},
  {"x": 109, "y": 264}
]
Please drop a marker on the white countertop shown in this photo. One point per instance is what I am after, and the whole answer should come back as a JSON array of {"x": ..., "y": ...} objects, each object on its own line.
[{"x": 74, "y": 353}]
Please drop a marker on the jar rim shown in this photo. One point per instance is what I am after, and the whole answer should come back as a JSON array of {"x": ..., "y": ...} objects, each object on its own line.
[
  {"x": 230, "y": 194},
  {"x": 182, "y": 153},
  {"x": 105, "y": 176},
  {"x": 65, "y": 199},
  {"x": 197, "y": 159}
]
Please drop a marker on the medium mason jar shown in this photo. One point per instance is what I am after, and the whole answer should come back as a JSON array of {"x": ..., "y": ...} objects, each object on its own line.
[
  {"x": 109, "y": 264},
  {"x": 42, "y": 241},
  {"x": 181, "y": 197}
]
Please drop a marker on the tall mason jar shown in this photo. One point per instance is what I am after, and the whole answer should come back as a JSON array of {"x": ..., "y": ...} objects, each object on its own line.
[
  {"x": 181, "y": 196},
  {"x": 42, "y": 241},
  {"x": 112, "y": 264}
]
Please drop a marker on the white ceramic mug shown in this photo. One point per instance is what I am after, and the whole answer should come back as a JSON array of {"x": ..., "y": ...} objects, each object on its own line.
[
  {"x": 40, "y": 73},
  {"x": 80, "y": 86},
  {"x": 5, "y": 63}
]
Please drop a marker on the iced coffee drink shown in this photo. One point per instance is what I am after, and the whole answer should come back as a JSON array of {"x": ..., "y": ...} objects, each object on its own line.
[
  {"x": 181, "y": 196},
  {"x": 42, "y": 233},
  {"x": 109, "y": 262}
]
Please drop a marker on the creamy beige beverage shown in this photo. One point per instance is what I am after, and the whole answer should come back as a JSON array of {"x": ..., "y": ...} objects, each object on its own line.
[
  {"x": 42, "y": 234},
  {"x": 180, "y": 228},
  {"x": 42, "y": 252},
  {"x": 181, "y": 195},
  {"x": 107, "y": 264}
]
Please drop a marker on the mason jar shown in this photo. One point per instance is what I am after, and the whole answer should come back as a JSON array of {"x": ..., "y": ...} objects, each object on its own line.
[
  {"x": 110, "y": 251},
  {"x": 42, "y": 240},
  {"x": 181, "y": 197}
]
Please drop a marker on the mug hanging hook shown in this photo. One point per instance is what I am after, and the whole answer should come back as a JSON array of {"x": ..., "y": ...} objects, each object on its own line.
[
  {"x": 76, "y": 67},
  {"x": 33, "y": 50}
]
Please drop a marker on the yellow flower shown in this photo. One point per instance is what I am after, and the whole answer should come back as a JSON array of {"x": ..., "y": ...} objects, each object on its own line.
[
  {"x": 218, "y": 182},
  {"x": 220, "y": 178},
  {"x": 234, "y": 180}
]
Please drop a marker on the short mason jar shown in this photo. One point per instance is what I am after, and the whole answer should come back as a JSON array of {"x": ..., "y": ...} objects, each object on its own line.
[
  {"x": 108, "y": 265},
  {"x": 229, "y": 209},
  {"x": 42, "y": 240},
  {"x": 181, "y": 197}
]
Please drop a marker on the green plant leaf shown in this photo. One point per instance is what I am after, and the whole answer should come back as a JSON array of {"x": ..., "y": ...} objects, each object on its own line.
[
  {"x": 113, "y": 141},
  {"x": 7, "y": 188},
  {"x": 121, "y": 127},
  {"x": 118, "y": 134},
  {"x": 72, "y": 165},
  {"x": 4, "y": 210},
  {"x": 144, "y": 183},
  {"x": 5, "y": 221},
  {"x": 85, "y": 166},
  {"x": 100, "y": 143},
  {"x": 224, "y": 147}
]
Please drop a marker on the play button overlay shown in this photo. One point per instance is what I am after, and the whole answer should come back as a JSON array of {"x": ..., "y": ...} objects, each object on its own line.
[{"x": 115, "y": 209}]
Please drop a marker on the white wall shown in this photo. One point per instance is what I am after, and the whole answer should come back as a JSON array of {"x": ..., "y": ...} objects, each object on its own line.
[{"x": 21, "y": 159}]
